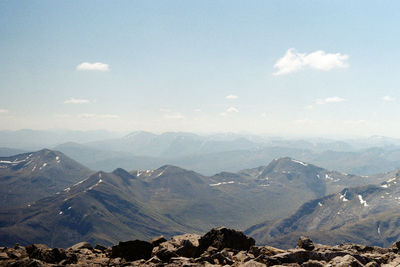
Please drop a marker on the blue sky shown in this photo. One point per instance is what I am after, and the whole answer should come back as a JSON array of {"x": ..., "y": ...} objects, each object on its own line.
[{"x": 314, "y": 68}]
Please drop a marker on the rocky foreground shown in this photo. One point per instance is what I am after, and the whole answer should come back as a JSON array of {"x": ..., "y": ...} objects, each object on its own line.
[{"x": 219, "y": 247}]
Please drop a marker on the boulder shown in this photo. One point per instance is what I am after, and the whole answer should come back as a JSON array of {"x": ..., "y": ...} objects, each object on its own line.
[
  {"x": 265, "y": 250},
  {"x": 44, "y": 253},
  {"x": 223, "y": 237},
  {"x": 132, "y": 250},
  {"x": 345, "y": 261},
  {"x": 158, "y": 240},
  {"x": 100, "y": 247},
  {"x": 181, "y": 245},
  {"x": 81, "y": 245},
  {"x": 313, "y": 263},
  {"x": 305, "y": 243}
]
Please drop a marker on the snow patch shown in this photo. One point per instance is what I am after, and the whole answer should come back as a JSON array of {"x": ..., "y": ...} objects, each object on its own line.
[
  {"x": 362, "y": 201},
  {"x": 67, "y": 189},
  {"x": 80, "y": 182},
  {"x": 69, "y": 208},
  {"x": 384, "y": 186},
  {"x": 328, "y": 177},
  {"x": 343, "y": 197},
  {"x": 93, "y": 186},
  {"x": 222, "y": 183},
  {"x": 60, "y": 212},
  {"x": 299, "y": 162},
  {"x": 320, "y": 204},
  {"x": 161, "y": 173},
  {"x": 44, "y": 165}
]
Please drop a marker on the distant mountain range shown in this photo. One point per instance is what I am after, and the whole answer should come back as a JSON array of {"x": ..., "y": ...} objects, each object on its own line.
[
  {"x": 206, "y": 154},
  {"x": 102, "y": 207}
]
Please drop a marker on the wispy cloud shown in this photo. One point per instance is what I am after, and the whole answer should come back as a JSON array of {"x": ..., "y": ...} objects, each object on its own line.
[
  {"x": 328, "y": 100},
  {"x": 174, "y": 116},
  {"x": 4, "y": 111},
  {"x": 309, "y": 107},
  {"x": 388, "y": 98},
  {"x": 97, "y": 66},
  {"x": 294, "y": 61},
  {"x": 231, "y": 97},
  {"x": 232, "y": 109},
  {"x": 229, "y": 110},
  {"x": 62, "y": 116},
  {"x": 304, "y": 121},
  {"x": 76, "y": 101},
  {"x": 334, "y": 99},
  {"x": 97, "y": 116}
]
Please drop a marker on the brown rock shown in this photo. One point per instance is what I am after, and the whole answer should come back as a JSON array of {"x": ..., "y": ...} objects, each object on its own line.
[
  {"x": 252, "y": 263},
  {"x": 182, "y": 245},
  {"x": 44, "y": 253},
  {"x": 223, "y": 237},
  {"x": 305, "y": 243},
  {"x": 81, "y": 245},
  {"x": 346, "y": 261},
  {"x": 132, "y": 250},
  {"x": 313, "y": 263},
  {"x": 158, "y": 240},
  {"x": 265, "y": 250}
]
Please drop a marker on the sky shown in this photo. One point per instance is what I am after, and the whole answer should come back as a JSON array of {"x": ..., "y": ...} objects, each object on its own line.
[{"x": 299, "y": 68}]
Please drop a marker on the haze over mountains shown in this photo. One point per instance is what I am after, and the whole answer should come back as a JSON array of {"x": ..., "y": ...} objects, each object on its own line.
[{"x": 206, "y": 154}]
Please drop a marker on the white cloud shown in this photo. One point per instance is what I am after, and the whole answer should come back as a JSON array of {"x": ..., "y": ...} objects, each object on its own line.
[
  {"x": 309, "y": 107},
  {"x": 97, "y": 66},
  {"x": 62, "y": 116},
  {"x": 293, "y": 61},
  {"x": 264, "y": 115},
  {"x": 229, "y": 110},
  {"x": 232, "y": 109},
  {"x": 174, "y": 116},
  {"x": 197, "y": 110},
  {"x": 76, "y": 101},
  {"x": 97, "y": 116},
  {"x": 304, "y": 121},
  {"x": 108, "y": 116},
  {"x": 3, "y": 111},
  {"x": 355, "y": 122},
  {"x": 334, "y": 99},
  {"x": 388, "y": 98},
  {"x": 231, "y": 97}
]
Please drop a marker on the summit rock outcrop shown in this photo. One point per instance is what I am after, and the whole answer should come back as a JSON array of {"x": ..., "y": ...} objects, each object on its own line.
[{"x": 219, "y": 247}]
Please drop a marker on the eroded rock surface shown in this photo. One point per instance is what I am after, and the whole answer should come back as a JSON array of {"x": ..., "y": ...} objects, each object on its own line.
[{"x": 219, "y": 247}]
